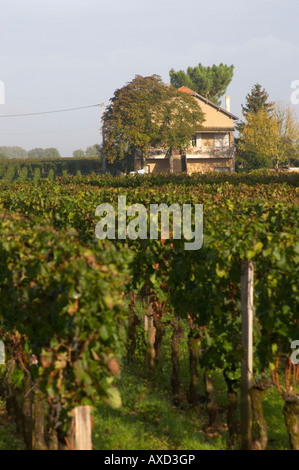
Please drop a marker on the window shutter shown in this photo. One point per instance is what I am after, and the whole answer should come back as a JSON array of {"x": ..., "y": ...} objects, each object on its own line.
[
  {"x": 226, "y": 140},
  {"x": 198, "y": 140},
  {"x": 218, "y": 139}
]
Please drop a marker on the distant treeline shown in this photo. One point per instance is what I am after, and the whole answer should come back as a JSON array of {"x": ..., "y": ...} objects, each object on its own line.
[
  {"x": 52, "y": 152},
  {"x": 20, "y": 153},
  {"x": 32, "y": 168}
]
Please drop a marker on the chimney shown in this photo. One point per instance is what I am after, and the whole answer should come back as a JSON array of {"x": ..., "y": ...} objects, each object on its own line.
[{"x": 227, "y": 103}]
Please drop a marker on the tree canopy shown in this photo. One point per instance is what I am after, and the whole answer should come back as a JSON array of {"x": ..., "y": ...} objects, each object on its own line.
[
  {"x": 51, "y": 152},
  {"x": 44, "y": 153},
  {"x": 93, "y": 151},
  {"x": 147, "y": 113},
  {"x": 19, "y": 152},
  {"x": 78, "y": 153},
  {"x": 210, "y": 82},
  {"x": 257, "y": 99},
  {"x": 13, "y": 152},
  {"x": 272, "y": 138}
]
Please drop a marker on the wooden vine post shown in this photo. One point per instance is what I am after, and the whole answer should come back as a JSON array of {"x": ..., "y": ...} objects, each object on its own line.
[
  {"x": 247, "y": 344},
  {"x": 81, "y": 428}
]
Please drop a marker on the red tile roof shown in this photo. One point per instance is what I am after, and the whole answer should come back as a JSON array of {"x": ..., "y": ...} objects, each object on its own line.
[{"x": 185, "y": 89}]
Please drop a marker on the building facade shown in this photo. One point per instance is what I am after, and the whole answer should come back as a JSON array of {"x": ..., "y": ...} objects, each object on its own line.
[{"x": 211, "y": 148}]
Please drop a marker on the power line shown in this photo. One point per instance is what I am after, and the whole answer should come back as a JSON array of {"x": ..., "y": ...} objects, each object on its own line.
[
  {"x": 46, "y": 132},
  {"x": 49, "y": 112}
]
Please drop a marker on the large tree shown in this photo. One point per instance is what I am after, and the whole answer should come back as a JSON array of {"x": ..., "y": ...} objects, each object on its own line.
[
  {"x": 271, "y": 137},
  {"x": 52, "y": 152},
  {"x": 36, "y": 153},
  {"x": 78, "y": 153},
  {"x": 93, "y": 151},
  {"x": 256, "y": 100},
  {"x": 14, "y": 152},
  {"x": 147, "y": 113},
  {"x": 210, "y": 82}
]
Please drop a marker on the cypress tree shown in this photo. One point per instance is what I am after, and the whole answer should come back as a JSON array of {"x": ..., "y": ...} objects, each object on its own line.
[{"x": 257, "y": 99}]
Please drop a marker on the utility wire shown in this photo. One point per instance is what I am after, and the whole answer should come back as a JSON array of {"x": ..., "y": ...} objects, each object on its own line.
[
  {"x": 47, "y": 132},
  {"x": 48, "y": 112}
]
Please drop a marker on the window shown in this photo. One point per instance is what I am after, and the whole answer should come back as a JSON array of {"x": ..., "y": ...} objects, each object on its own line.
[
  {"x": 193, "y": 141},
  {"x": 211, "y": 140},
  {"x": 198, "y": 142},
  {"x": 221, "y": 140},
  {"x": 207, "y": 140},
  {"x": 222, "y": 168}
]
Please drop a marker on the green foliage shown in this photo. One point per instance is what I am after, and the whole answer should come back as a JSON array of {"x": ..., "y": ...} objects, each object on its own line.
[
  {"x": 52, "y": 153},
  {"x": 37, "y": 174},
  {"x": 75, "y": 312},
  {"x": 20, "y": 153},
  {"x": 67, "y": 294},
  {"x": 145, "y": 113},
  {"x": 51, "y": 174},
  {"x": 271, "y": 137},
  {"x": 148, "y": 420},
  {"x": 44, "y": 153},
  {"x": 78, "y": 153},
  {"x": 14, "y": 152},
  {"x": 210, "y": 82},
  {"x": 257, "y": 99},
  {"x": 49, "y": 167},
  {"x": 250, "y": 160},
  {"x": 36, "y": 153},
  {"x": 8, "y": 435},
  {"x": 23, "y": 173},
  {"x": 10, "y": 173},
  {"x": 92, "y": 151},
  {"x": 2, "y": 169}
]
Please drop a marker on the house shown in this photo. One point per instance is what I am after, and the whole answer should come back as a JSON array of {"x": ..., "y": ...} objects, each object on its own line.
[{"x": 211, "y": 148}]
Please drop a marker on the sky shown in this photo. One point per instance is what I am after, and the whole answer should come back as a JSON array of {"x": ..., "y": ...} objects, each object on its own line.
[{"x": 61, "y": 54}]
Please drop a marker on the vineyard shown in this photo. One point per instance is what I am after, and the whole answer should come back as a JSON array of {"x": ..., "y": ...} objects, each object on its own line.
[
  {"x": 35, "y": 169},
  {"x": 76, "y": 310}
]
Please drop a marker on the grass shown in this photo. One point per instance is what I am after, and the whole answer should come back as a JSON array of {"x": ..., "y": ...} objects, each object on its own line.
[
  {"x": 273, "y": 410},
  {"x": 150, "y": 420}
]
